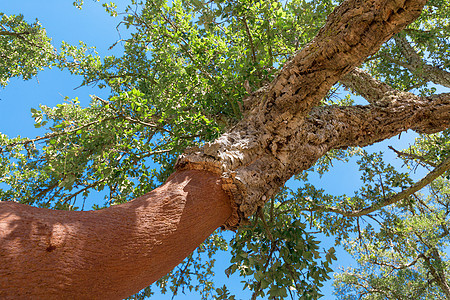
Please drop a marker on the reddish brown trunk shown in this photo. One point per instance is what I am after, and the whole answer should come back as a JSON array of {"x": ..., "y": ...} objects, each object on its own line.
[{"x": 111, "y": 253}]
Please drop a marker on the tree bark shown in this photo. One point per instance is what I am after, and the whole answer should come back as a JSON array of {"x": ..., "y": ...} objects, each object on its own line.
[
  {"x": 111, "y": 253},
  {"x": 436, "y": 267},
  {"x": 114, "y": 252}
]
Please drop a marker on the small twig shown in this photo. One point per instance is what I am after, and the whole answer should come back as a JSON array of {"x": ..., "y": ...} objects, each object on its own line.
[
  {"x": 413, "y": 156},
  {"x": 56, "y": 134},
  {"x": 438, "y": 171},
  {"x": 244, "y": 20},
  {"x": 16, "y": 34},
  {"x": 269, "y": 258},
  {"x": 182, "y": 272},
  {"x": 82, "y": 190},
  {"x": 382, "y": 186},
  {"x": 266, "y": 228}
]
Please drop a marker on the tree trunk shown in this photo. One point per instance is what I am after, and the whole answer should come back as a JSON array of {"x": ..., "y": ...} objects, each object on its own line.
[
  {"x": 111, "y": 253},
  {"x": 115, "y": 252}
]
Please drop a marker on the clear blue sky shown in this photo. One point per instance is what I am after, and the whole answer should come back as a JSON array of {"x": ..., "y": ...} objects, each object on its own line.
[{"x": 94, "y": 27}]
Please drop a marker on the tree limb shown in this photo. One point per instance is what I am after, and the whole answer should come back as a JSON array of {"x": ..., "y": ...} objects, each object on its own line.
[
  {"x": 110, "y": 253},
  {"x": 250, "y": 39},
  {"x": 261, "y": 152},
  {"x": 416, "y": 65},
  {"x": 400, "y": 266},
  {"x": 436, "y": 269},
  {"x": 15, "y": 34},
  {"x": 438, "y": 171},
  {"x": 369, "y": 88},
  {"x": 420, "y": 158}
]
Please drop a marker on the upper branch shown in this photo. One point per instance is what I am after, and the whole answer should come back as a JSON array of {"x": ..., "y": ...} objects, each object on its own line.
[
  {"x": 346, "y": 126},
  {"x": 341, "y": 127},
  {"x": 421, "y": 160},
  {"x": 416, "y": 65},
  {"x": 15, "y": 34},
  {"x": 369, "y": 88},
  {"x": 354, "y": 31}
]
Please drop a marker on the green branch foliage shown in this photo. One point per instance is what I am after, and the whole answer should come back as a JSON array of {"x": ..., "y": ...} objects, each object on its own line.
[
  {"x": 428, "y": 36},
  {"x": 25, "y": 48}
]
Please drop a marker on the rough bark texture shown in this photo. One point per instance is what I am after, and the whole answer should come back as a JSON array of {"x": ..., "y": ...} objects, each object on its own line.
[
  {"x": 112, "y": 253},
  {"x": 270, "y": 145},
  {"x": 366, "y": 86},
  {"x": 435, "y": 264}
]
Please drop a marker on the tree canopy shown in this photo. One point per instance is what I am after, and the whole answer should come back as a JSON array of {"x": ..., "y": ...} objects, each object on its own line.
[{"x": 189, "y": 72}]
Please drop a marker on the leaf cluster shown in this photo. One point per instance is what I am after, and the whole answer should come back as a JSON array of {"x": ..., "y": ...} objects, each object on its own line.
[{"x": 25, "y": 48}]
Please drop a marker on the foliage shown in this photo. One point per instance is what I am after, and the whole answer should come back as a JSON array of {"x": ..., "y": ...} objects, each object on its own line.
[
  {"x": 403, "y": 254},
  {"x": 184, "y": 71},
  {"x": 429, "y": 37},
  {"x": 25, "y": 48},
  {"x": 279, "y": 256}
]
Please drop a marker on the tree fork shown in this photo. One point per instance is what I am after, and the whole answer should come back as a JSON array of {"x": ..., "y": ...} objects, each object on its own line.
[{"x": 255, "y": 157}]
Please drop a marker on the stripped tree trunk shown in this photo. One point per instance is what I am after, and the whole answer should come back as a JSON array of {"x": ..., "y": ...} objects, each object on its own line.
[
  {"x": 114, "y": 252},
  {"x": 111, "y": 253}
]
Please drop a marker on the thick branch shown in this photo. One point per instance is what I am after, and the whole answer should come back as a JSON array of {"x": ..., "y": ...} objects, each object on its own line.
[
  {"x": 369, "y": 88},
  {"x": 416, "y": 65},
  {"x": 341, "y": 127},
  {"x": 364, "y": 125}
]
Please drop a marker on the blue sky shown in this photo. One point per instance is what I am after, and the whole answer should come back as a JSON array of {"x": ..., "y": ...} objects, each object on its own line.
[{"x": 93, "y": 26}]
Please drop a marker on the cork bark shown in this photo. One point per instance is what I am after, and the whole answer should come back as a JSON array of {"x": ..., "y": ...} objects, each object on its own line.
[
  {"x": 416, "y": 65},
  {"x": 112, "y": 253}
]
